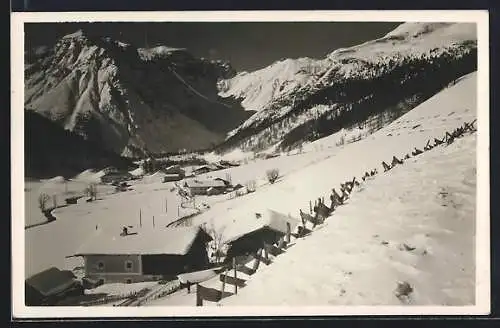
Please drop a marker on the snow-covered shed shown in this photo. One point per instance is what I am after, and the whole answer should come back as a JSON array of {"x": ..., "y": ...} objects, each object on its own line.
[
  {"x": 50, "y": 286},
  {"x": 149, "y": 254},
  {"x": 174, "y": 169}
]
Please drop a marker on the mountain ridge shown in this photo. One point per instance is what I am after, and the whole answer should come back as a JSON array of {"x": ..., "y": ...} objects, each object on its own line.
[{"x": 389, "y": 75}]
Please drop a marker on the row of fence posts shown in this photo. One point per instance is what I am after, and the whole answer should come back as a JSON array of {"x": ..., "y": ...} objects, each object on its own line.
[{"x": 448, "y": 138}]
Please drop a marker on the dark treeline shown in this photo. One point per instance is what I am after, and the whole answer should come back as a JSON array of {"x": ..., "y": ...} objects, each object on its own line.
[{"x": 50, "y": 150}]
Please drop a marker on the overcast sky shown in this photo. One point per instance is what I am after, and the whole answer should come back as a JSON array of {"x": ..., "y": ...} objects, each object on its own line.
[{"x": 248, "y": 46}]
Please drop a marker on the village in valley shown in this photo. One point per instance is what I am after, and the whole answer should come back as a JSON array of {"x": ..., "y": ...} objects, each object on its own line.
[{"x": 363, "y": 215}]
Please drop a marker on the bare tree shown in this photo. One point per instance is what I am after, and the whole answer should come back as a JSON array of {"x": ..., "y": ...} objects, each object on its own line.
[
  {"x": 272, "y": 175},
  {"x": 43, "y": 199},
  {"x": 217, "y": 243},
  {"x": 251, "y": 185},
  {"x": 229, "y": 178}
]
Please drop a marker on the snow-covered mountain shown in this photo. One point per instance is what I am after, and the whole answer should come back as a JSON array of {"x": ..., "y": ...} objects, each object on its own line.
[
  {"x": 305, "y": 99},
  {"x": 131, "y": 100}
]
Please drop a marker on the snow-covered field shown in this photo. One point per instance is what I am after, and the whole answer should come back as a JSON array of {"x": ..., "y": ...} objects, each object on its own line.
[
  {"x": 58, "y": 190},
  {"x": 305, "y": 177}
]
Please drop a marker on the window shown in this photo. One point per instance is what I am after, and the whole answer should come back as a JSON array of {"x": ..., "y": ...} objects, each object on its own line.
[
  {"x": 128, "y": 266},
  {"x": 100, "y": 265}
]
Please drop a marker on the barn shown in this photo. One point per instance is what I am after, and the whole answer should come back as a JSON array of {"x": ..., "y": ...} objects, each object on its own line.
[
  {"x": 266, "y": 227},
  {"x": 174, "y": 169},
  {"x": 116, "y": 176},
  {"x": 172, "y": 177},
  {"x": 50, "y": 286},
  {"x": 146, "y": 255},
  {"x": 72, "y": 200},
  {"x": 202, "y": 169}
]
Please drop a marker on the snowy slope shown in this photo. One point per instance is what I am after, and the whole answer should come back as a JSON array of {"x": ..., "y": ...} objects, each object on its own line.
[
  {"x": 421, "y": 203},
  {"x": 304, "y": 177},
  {"x": 306, "y": 99},
  {"x": 130, "y": 100},
  {"x": 347, "y": 262}
]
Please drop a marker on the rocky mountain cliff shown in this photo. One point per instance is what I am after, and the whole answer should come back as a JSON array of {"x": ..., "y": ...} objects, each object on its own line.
[
  {"x": 132, "y": 101},
  {"x": 304, "y": 99}
]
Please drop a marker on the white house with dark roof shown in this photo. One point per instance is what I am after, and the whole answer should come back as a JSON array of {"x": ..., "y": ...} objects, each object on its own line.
[{"x": 146, "y": 255}]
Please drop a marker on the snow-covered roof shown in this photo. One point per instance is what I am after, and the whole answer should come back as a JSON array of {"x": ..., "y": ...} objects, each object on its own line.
[
  {"x": 173, "y": 241},
  {"x": 51, "y": 281},
  {"x": 271, "y": 219},
  {"x": 204, "y": 167},
  {"x": 205, "y": 183}
]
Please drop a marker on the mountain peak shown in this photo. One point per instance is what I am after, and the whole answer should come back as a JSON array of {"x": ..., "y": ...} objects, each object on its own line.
[
  {"x": 124, "y": 97},
  {"x": 161, "y": 52}
]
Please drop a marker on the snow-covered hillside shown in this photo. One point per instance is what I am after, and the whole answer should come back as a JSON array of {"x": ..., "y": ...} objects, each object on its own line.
[{"x": 306, "y": 99}]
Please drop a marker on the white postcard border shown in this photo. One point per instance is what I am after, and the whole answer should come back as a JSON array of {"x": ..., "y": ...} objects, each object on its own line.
[{"x": 480, "y": 17}]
